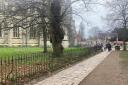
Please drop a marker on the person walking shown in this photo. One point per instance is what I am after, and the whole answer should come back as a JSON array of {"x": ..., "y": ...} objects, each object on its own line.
[{"x": 109, "y": 46}]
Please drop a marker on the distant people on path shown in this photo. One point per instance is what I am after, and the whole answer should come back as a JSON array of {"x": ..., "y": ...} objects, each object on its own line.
[
  {"x": 103, "y": 46},
  {"x": 98, "y": 47},
  {"x": 109, "y": 46},
  {"x": 117, "y": 47}
]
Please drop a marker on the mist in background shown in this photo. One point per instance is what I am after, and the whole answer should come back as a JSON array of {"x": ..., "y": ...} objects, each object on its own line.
[{"x": 92, "y": 17}]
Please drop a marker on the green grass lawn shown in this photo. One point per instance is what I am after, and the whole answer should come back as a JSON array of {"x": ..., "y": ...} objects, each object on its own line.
[
  {"x": 124, "y": 55},
  {"x": 8, "y": 52},
  {"x": 124, "y": 64},
  {"x": 30, "y": 62},
  {"x": 5, "y": 52}
]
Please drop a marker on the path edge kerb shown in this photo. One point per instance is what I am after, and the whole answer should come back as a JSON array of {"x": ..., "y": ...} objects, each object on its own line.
[
  {"x": 95, "y": 68},
  {"x": 75, "y": 74},
  {"x": 105, "y": 56}
]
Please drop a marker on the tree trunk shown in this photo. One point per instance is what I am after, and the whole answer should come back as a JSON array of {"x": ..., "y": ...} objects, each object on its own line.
[
  {"x": 124, "y": 35},
  {"x": 45, "y": 39},
  {"x": 56, "y": 38},
  {"x": 38, "y": 40},
  {"x": 26, "y": 38},
  {"x": 57, "y": 50},
  {"x": 56, "y": 30},
  {"x": 124, "y": 45},
  {"x": 44, "y": 29}
]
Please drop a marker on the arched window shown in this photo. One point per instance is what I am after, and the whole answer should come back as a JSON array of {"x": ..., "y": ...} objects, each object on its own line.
[
  {"x": 16, "y": 33},
  {"x": 0, "y": 31},
  {"x": 32, "y": 33}
]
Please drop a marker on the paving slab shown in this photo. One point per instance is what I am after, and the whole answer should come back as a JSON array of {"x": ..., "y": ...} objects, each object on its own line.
[
  {"x": 75, "y": 74},
  {"x": 109, "y": 72}
]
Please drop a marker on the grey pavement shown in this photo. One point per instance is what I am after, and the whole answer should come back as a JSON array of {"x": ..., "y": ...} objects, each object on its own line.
[{"x": 75, "y": 74}]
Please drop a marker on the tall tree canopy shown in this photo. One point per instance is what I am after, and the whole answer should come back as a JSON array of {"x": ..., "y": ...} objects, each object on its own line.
[
  {"x": 45, "y": 15},
  {"x": 118, "y": 16}
]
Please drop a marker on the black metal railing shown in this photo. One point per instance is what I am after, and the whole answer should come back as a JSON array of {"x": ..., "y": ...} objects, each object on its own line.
[{"x": 19, "y": 69}]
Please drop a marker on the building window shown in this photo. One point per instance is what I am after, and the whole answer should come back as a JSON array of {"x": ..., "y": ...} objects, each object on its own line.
[
  {"x": 16, "y": 33},
  {"x": 0, "y": 31},
  {"x": 32, "y": 33}
]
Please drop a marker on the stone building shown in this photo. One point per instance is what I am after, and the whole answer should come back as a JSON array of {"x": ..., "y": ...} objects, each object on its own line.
[{"x": 21, "y": 37}]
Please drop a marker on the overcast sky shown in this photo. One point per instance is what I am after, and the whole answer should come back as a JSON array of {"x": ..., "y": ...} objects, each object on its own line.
[{"x": 92, "y": 18}]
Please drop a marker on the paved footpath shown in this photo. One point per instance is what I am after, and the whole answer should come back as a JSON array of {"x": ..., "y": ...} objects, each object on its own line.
[
  {"x": 75, "y": 74},
  {"x": 108, "y": 72}
]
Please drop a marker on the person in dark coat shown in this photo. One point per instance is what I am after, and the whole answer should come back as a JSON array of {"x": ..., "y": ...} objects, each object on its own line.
[{"x": 109, "y": 46}]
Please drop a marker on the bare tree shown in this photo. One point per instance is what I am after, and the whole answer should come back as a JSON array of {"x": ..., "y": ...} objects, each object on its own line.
[
  {"x": 118, "y": 15},
  {"x": 26, "y": 14},
  {"x": 49, "y": 15}
]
